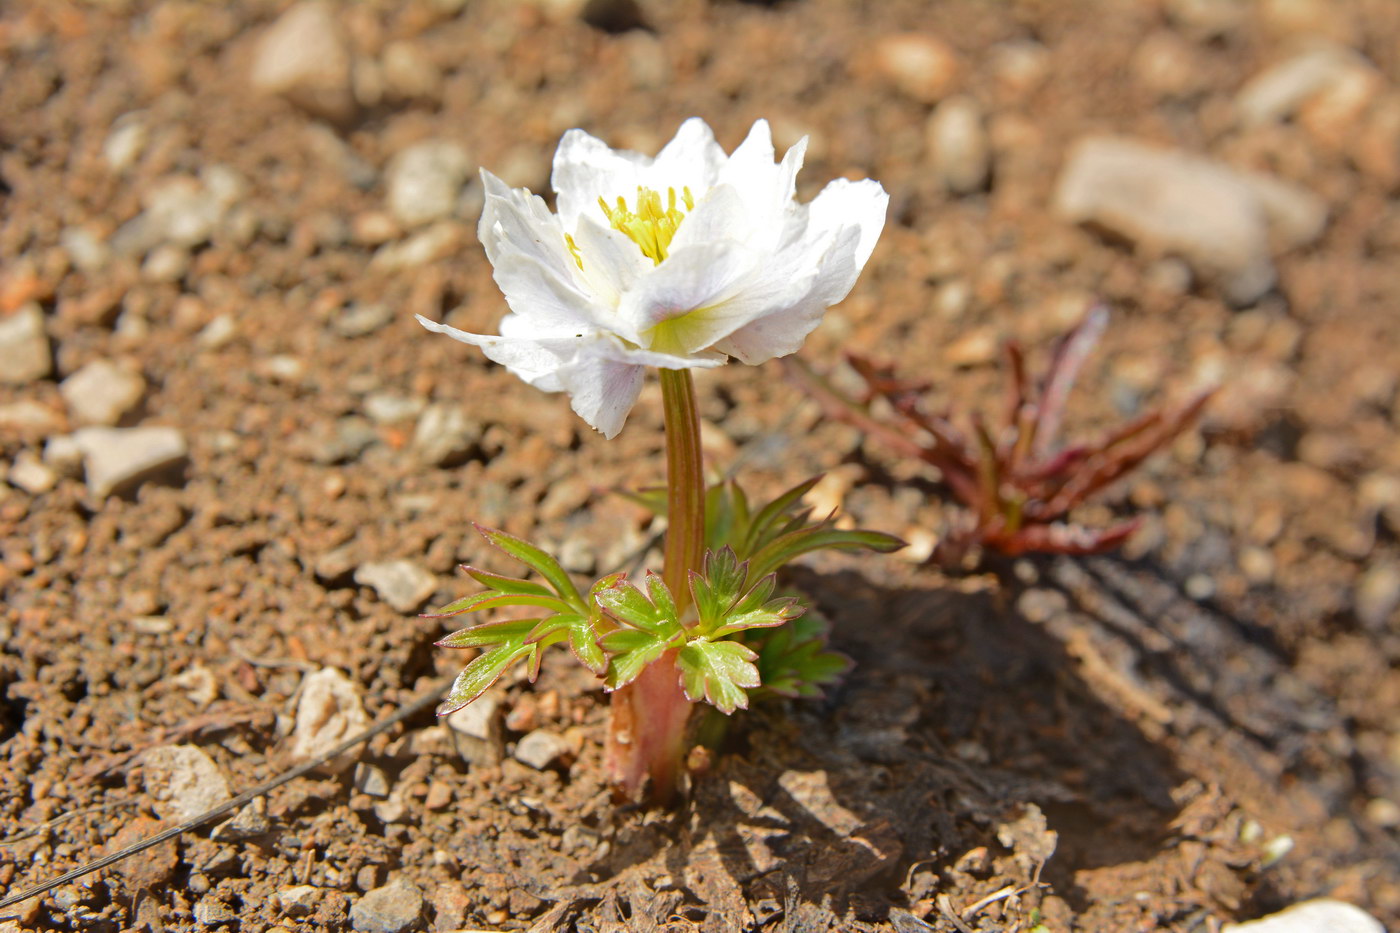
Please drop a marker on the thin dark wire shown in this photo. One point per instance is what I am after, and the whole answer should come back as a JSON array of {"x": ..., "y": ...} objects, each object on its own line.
[{"x": 229, "y": 805}]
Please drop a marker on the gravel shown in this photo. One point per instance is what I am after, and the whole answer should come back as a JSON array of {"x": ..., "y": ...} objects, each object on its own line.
[
  {"x": 329, "y": 711},
  {"x": 24, "y": 346},
  {"x": 402, "y": 584},
  {"x": 1169, "y": 201},
  {"x": 119, "y": 459},
  {"x": 424, "y": 180},
  {"x": 102, "y": 392},
  {"x": 393, "y": 908},
  {"x": 183, "y": 781}
]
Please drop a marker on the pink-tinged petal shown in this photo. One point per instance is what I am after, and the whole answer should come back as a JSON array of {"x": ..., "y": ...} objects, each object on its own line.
[{"x": 585, "y": 169}]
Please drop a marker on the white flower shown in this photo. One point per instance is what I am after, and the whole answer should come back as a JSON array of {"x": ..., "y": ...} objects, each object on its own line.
[{"x": 679, "y": 261}]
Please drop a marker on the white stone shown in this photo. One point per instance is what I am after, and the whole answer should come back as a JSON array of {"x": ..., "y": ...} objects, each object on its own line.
[
  {"x": 441, "y": 239},
  {"x": 394, "y": 908},
  {"x": 389, "y": 407},
  {"x": 88, "y": 253},
  {"x": 24, "y": 346},
  {"x": 182, "y": 781},
  {"x": 424, "y": 179},
  {"x": 305, "y": 58},
  {"x": 1218, "y": 219},
  {"x": 478, "y": 731},
  {"x": 921, "y": 66},
  {"x": 329, "y": 711},
  {"x": 102, "y": 392},
  {"x": 29, "y": 473},
  {"x": 299, "y": 900},
  {"x": 1277, "y": 92},
  {"x": 957, "y": 141},
  {"x": 540, "y": 749},
  {"x": 125, "y": 141},
  {"x": 444, "y": 435},
  {"x": 401, "y": 583},
  {"x": 1323, "y": 915},
  {"x": 29, "y": 416},
  {"x": 117, "y": 459},
  {"x": 1378, "y": 594}
]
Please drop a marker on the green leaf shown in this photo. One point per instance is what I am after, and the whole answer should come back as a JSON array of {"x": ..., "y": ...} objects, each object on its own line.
[
  {"x": 759, "y": 530},
  {"x": 791, "y": 545},
  {"x": 718, "y": 672},
  {"x": 793, "y": 661},
  {"x": 503, "y": 584},
  {"x": 506, "y": 644},
  {"x": 580, "y": 634},
  {"x": 726, "y": 515},
  {"x": 538, "y": 561},
  {"x": 631, "y": 650},
  {"x": 489, "y": 600},
  {"x": 631, "y": 607},
  {"x": 489, "y": 633},
  {"x": 718, "y": 588}
]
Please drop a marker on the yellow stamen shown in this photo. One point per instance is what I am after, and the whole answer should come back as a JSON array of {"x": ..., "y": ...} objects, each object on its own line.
[
  {"x": 573, "y": 248},
  {"x": 651, "y": 226}
]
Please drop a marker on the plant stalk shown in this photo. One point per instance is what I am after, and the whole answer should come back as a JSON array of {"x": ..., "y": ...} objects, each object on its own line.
[{"x": 647, "y": 735}]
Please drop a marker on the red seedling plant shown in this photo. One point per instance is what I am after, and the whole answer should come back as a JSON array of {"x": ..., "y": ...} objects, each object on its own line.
[{"x": 1016, "y": 483}]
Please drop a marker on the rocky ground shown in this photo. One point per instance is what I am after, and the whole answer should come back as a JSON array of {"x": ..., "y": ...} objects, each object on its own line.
[{"x": 235, "y": 468}]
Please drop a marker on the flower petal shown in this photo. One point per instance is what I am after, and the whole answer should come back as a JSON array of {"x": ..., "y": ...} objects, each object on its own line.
[
  {"x": 611, "y": 263},
  {"x": 843, "y": 223},
  {"x": 585, "y": 169},
  {"x": 514, "y": 219},
  {"x": 701, "y": 295},
  {"x": 535, "y": 361},
  {"x": 602, "y": 390},
  {"x": 691, "y": 159},
  {"x": 862, "y": 204},
  {"x": 785, "y": 329}
]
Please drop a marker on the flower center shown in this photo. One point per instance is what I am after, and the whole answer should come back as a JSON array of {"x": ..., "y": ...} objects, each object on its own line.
[{"x": 651, "y": 225}]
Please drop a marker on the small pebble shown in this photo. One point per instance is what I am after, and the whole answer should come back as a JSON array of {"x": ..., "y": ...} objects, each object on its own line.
[
  {"x": 329, "y": 711},
  {"x": 24, "y": 346},
  {"x": 183, "y": 781},
  {"x": 540, "y": 749},
  {"x": 402, "y": 584},
  {"x": 423, "y": 181},
  {"x": 1322, "y": 915},
  {"x": 102, "y": 392},
  {"x": 119, "y": 459},
  {"x": 393, "y": 908}
]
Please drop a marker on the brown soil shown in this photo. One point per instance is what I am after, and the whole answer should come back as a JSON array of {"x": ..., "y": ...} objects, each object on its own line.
[{"x": 1162, "y": 721}]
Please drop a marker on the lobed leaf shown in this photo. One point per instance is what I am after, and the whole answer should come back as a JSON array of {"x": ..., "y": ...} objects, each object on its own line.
[
  {"x": 719, "y": 672},
  {"x": 631, "y": 651}
]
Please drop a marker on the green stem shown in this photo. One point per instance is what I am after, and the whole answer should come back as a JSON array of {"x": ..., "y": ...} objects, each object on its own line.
[
  {"x": 647, "y": 735},
  {"x": 685, "y": 484}
]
